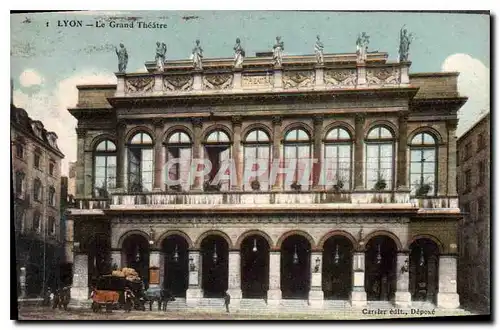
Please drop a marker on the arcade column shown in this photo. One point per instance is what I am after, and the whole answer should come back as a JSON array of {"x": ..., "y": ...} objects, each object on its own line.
[
  {"x": 194, "y": 292},
  {"x": 274, "y": 292},
  {"x": 316, "y": 295},
  {"x": 402, "y": 297},
  {"x": 234, "y": 278},
  {"x": 358, "y": 293},
  {"x": 80, "y": 287},
  {"x": 447, "y": 296}
]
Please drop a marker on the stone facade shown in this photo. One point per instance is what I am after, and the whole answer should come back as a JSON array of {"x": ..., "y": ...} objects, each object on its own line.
[
  {"x": 277, "y": 242},
  {"x": 474, "y": 196},
  {"x": 36, "y": 178}
]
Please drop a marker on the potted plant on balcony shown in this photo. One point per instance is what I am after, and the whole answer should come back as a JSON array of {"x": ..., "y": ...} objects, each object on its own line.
[
  {"x": 176, "y": 188},
  {"x": 381, "y": 184},
  {"x": 296, "y": 186},
  {"x": 423, "y": 189},
  {"x": 339, "y": 185},
  {"x": 255, "y": 184}
]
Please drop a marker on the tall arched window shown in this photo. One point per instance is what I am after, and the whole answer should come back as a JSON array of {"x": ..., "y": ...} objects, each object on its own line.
[
  {"x": 36, "y": 221},
  {"x": 20, "y": 147},
  {"x": 52, "y": 196},
  {"x": 218, "y": 152},
  {"x": 37, "y": 190},
  {"x": 297, "y": 156},
  {"x": 104, "y": 168},
  {"x": 20, "y": 184},
  {"x": 257, "y": 154},
  {"x": 140, "y": 163},
  {"x": 379, "y": 158},
  {"x": 423, "y": 155},
  {"x": 178, "y": 161},
  {"x": 337, "y": 159},
  {"x": 37, "y": 157}
]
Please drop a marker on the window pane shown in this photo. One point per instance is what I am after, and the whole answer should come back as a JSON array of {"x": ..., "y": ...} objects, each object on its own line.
[
  {"x": 374, "y": 133},
  {"x": 302, "y": 135},
  {"x": 428, "y": 139},
  {"x": 385, "y": 133},
  {"x": 417, "y": 139},
  {"x": 416, "y": 167},
  {"x": 136, "y": 139},
  {"x": 333, "y": 134},
  {"x": 101, "y": 146},
  {"x": 343, "y": 134},
  {"x": 252, "y": 136},
  {"x": 429, "y": 155}
]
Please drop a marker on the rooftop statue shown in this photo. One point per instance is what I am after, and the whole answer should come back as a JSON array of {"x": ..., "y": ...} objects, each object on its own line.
[
  {"x": 239, "y": 54},
  {"x": 362, "y": 47},
  {"x": 318, "y": 49},
  {"x": 278, "y": 52},
  {"x": 161, "y": 51},
  {"x": 405, "y": 40},
  {"x": 197, "y": 56},
  {"x": 122, "y": 58}
]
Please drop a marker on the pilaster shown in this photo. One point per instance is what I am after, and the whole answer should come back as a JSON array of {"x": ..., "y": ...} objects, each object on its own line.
[
  {"x": 278, "y": 78},
  {"x": 319, "y": 76},
  {"x": 197, "y": 80},
  {"x": 402, "y": 181},
  {"x": 402, "y": 297},
  {"x": 316, "y": 295},
  {"x": 194, "y": 292},
  {"x": 80, "y": 167},
  {"x": 358, "y": 293},
  {"x": 358, "y": 151},
  {"x": 158, "y": 157},
  {"x": 197, "y": 145},
  {"x": 277, "y": 186},
  {"x": 234, "y": 278},
  {"x": 120, "y": 156},
  {"x": 451, "y": 125},
  {"x": 237, "y": 153},
  {"x": 361, "y": 71},
  {"x": 317, "y": 151},
  {"x": 80, "y": 287},
  {"x": 447, "y": 296},
  {"x": 274, "y": 292}
]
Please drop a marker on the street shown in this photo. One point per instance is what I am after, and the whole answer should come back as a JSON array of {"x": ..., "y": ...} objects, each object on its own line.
[{"x": 46, "y": 313}]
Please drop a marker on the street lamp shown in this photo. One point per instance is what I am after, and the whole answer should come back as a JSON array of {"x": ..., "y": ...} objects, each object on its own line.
[
  {"x": 214, "y": 256},
  {"x": 254, "y": 245},
  {"x": 422, "y": 259},
  {"x": 137, "y": 255},
  {"x": 151, "y": 235},
  {"x": 295, "y": 256},
  {"x": 379, "y": 256},
  {"x": 337, "y": 257},
  {"x": 176, "y": 254}
]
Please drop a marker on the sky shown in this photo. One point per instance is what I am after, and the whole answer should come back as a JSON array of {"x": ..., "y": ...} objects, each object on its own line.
[{"x": 48, "y": 61}]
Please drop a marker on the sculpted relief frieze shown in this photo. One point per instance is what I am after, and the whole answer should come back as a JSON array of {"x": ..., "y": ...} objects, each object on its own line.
[
  {"x": 298, "y": 79},
  {"x": 383, "y": 76},
  {"x": 256, "y": 81},
  {"x": 217, "y": 81},
  {"x": 340, "y": 78},
  {"x": 139, "y": 84},
  {"x": 178, "y": 83}
]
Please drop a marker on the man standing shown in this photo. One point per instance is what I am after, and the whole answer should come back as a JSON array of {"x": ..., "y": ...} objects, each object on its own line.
[
  {"x": 227, "y": 301},
  {"x": 128, "y": 299}
]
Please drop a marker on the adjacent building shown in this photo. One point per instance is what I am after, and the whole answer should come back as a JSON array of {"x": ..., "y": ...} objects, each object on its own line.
[
  {"x": 364, "y": 206},
  {"x": 36, "y": 167},
  {"x": 473, "y": 174}
]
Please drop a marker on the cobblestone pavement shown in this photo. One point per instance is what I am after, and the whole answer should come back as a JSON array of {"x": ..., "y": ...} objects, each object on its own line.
[{"x": 44, "y": 313}]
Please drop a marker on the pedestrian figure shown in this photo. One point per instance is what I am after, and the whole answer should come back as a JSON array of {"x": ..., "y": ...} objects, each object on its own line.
[
  {"x": 167, "y": 296},
  {"x": 128, "y": 299},
  {"x": 46, "y": 298},
  {"x": 55, "y": 301},
  {"x": 227, "y": 301}
]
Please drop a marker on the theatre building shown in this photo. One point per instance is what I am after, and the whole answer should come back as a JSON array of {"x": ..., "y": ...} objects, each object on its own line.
[{"x": 375, "y": 218}]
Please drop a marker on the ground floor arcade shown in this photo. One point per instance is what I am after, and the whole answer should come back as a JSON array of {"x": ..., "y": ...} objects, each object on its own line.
[{"x": 314, "y": 265}]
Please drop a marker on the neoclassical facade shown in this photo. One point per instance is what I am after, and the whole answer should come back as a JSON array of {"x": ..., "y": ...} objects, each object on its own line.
[{"x": 373, "y": 219}]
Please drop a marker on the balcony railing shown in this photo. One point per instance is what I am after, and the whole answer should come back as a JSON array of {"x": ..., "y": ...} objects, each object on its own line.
[{"x": 348, "y": 199}]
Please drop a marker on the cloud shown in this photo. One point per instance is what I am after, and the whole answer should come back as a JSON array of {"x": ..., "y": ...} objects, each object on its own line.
[
  {"x": 30, "y": 77},
  {"x": 50, "y": 107},
  {"x": 473, "y": 82}
]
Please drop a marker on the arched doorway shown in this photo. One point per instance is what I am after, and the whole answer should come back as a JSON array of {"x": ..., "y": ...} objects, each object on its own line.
[
  {"x": 99, "y": 257},
  {"x": 136, "y": 252},
  {"x": 380, "y": 263},
  {"x": 337, "y": 268},
  {"x": 176, "y": 263},
  {"x": 295, "y": 267},
  {"x": 254, "y": 267},
  {"x": 424, "y": 275},
  {"x": 215, "y": 255}
]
